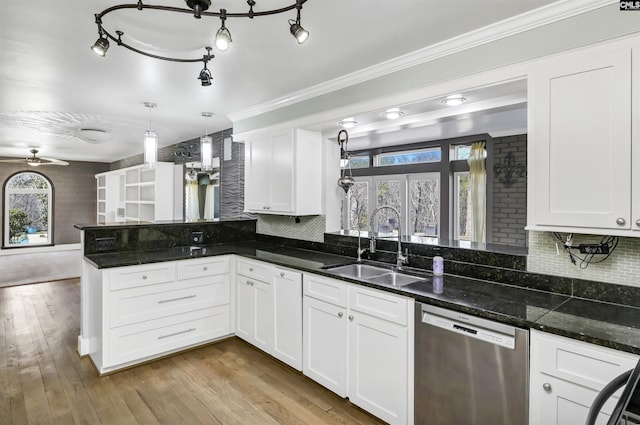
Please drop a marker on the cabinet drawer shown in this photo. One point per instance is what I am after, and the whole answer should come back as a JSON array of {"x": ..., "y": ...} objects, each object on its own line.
[
  {"x": 156, "y": 337},
  {"x": 165, "y": 299},
  {"x": 325, "y": 289},
  {"x": 147, "y": 274},
  {"x": 255, "y": 269},
  {"x": 580, "y": 362},
  {"x": 383, "y": 305},
  {"x": 200, "y": 267}
]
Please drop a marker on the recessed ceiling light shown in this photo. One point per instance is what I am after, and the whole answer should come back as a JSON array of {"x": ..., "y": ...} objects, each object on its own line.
[
  {"x": 393, "y": 114},
  {"x": 454, "y": 100},
  {"x": 348, "y": 123}
]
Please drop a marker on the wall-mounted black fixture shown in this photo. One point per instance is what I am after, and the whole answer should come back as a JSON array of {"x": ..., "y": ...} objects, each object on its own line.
[{"x": 509, "y": 170}]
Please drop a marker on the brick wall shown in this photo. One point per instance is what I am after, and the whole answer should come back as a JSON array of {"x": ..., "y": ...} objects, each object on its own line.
[{"x": 509, "y": 197}]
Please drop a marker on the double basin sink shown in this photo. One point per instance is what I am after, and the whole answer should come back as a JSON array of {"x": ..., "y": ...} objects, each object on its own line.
[{"x": 374, "y": 274}]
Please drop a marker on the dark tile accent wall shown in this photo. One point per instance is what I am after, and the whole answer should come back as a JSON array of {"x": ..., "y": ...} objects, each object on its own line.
[
  {"x": 74, "y": 192},
  {"x": 140, "y": 237},
  {"x": 509, "y": 215}
]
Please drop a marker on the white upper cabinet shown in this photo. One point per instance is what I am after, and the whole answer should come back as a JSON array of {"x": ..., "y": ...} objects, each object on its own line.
[
  {"x": 580, "y": 143},
  {"x": 283, "y": 172}
]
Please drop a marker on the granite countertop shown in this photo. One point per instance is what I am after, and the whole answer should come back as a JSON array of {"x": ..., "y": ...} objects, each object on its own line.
[{"x": 606, "y": 324}]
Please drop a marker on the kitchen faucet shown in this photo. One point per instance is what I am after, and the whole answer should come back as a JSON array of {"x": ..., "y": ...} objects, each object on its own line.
[{"x": 401, "y": 258}]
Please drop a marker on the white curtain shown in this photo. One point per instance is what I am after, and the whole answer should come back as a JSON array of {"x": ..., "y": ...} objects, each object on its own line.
[
  {"x": 192, "y": 210},
  {"x": 209, "y": 202},
  {"x": 478, "y": 174}
]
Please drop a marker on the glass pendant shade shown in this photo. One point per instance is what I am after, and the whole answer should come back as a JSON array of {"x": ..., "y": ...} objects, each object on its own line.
[
  {"x": 206, "y": 153},
  {"x": 223, "y": 39},
  {"x": 150, "y": 148}
]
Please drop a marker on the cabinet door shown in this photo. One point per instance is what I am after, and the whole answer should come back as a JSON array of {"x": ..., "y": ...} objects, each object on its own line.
[
  {"x": 325, "y": 344},
  {"x": 287, "y": 343},
  {"x": 635, "y": 151},
  {"x": 282, "y": 171},
  {"x": 245, "y": 309},
  {"x": 263, "y": 317},
  {"x": 566, "y": 403},
  {"x": 378, "y": 367},
  {"x": 258, "y": 165},
  {"x": 580, "y": 143}
]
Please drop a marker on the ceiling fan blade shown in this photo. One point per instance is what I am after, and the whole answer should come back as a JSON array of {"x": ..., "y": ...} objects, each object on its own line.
[
  {"x": 13, "y": 161},
  {"x": 51, "y": 161}
]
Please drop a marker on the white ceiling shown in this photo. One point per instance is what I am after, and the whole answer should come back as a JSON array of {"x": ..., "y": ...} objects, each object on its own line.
[{"x": 51, "y": 84}]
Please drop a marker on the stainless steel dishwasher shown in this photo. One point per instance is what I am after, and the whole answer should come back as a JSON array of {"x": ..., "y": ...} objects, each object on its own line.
[{"x": 469, "y": 370}]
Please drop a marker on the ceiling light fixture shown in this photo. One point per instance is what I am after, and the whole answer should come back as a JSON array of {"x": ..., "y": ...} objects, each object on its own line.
[
  {"x": 206, "y": 147},
  {"x": 454, "y": 100},
  {"x": 150, "y": 141},
  {"x": 348, "y": 123},
  {"x": 199, "y": 9},
  {"x": 393, "y": 114}
]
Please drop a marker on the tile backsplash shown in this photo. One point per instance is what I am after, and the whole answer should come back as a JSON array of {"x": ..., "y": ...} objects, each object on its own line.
[
  {"x": 309, "y": 228},
  {"x": 622, "y": 267}
]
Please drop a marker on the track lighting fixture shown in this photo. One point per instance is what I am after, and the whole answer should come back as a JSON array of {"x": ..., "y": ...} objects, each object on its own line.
[
  {"x": 205, "y": 74},
  {"x": 101, "y": 45},
  {"x": 223, "y": 36},
  {"x": 296, "y": 29},
  {"x": 198, "y": 8}
]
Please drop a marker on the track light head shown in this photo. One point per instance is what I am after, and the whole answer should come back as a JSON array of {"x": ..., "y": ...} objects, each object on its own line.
[
  {"x": 299, "y": 32},
  {"x": 101, "y": 46},
  {"x": 223, "y": 36},
  {"x": 205, "y": 76}
]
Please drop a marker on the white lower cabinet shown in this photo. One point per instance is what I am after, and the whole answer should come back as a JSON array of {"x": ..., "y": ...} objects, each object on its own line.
[
  {"x": 566, "y": 375},
  {"x": 357, "y": 344},
  {"x": 269, "y": 309},
  {"x": 142, "y": 312}
]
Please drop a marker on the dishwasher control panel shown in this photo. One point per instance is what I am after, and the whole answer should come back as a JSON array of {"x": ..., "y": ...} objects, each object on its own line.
[{"x": 473, "y": 328}]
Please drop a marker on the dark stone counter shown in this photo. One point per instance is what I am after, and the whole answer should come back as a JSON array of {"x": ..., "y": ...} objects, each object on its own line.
[{"x": 604, "y": 323}]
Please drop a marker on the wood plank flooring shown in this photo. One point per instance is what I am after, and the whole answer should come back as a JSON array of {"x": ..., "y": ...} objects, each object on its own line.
[{"x": 44, "y": 381}]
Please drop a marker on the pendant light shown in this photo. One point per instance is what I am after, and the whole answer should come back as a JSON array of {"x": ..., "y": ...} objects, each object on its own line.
[
  {"x": 206, "y": 147},
  {"x": 150, "y": 141}
]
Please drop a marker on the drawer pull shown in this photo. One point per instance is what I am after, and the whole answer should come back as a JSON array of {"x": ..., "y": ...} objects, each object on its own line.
[
  {"x": 250, "y": 283},
  {"x": 177, "y": 333},
  {"x": 176, "y": 299}
]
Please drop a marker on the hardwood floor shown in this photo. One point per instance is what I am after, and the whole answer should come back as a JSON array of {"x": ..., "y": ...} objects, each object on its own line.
[{"x": 44, "y": 381}]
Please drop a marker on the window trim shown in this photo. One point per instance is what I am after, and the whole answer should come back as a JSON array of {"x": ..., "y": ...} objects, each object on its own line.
[{"x": 5, "y": 212}]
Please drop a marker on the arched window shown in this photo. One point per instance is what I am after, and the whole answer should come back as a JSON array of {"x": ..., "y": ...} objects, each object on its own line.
[{"x": 28, "y": 213}]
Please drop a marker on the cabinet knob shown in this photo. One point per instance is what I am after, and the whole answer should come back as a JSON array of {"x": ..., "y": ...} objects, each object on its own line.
[
  {"x": 621, "y": 221},
  {"x": 249, "y": 283},
  {"x": 546, "y": 386},
  {"x": 204, "y": 268},
  {"x": 281, "y": 274},
  {"x": 250, "y": 269},
  {"x": 351, "y": 317},
  {"x": 638, "y": 222},
  {"x": 144, "y": 277},
  {"x": 340, "y": 314}
]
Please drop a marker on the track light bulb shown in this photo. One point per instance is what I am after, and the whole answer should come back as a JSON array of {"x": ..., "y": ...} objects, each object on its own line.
[
  {"x": 101, "y": 46},
  {"x": 223, "y": 38},
  {"x": 299, "y": 32}
]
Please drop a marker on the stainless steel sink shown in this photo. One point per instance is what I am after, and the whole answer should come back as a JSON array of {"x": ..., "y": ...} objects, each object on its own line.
[
  {"x": 374, "y": 274},
  {"x": 358, "y": 271},
  {"x": 395, "y": 279}
]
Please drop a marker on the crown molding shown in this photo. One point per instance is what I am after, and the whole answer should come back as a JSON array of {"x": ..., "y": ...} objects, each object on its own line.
[{"x": 524, "y": 22}]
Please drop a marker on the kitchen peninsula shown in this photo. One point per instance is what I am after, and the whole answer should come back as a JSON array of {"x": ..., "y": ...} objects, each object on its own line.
[{"x": 229, "y": 254}]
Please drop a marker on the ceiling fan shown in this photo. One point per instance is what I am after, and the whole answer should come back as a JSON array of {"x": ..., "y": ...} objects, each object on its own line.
[{"x": 36, "y": 160}]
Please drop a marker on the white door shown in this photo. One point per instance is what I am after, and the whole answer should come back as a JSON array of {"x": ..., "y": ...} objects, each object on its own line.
[
  {"x": 378, "y": 367},
  {"x": 282, "y": 171},
  {"x": 258, "y": 165},
  {"x": 245, "y": 309},
  {"x": 325, "y": 344},
  {"x": 263, "y": 317},
  {"x": 581, "y": 140},
  {"x": 287, "y": 347}
]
